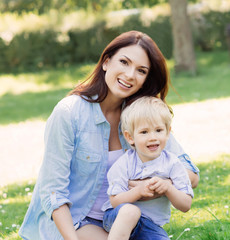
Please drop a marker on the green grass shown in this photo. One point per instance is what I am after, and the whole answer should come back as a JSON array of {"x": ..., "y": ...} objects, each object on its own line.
[
  {"x": 208, "y": 218},
  {"x": 31, "y": 96},
  {"x": 212, "y": 79},
  {"x": 14, "y": 201}
]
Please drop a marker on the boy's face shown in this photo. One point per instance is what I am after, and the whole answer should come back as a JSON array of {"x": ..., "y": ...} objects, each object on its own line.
[{"x": 149, "y": 139}]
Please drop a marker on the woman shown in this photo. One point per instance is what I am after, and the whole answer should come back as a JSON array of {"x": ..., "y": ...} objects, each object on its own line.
[{"x": 83, "y": 139}]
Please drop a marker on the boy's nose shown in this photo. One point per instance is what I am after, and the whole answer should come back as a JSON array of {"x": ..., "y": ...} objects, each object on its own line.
[{"x": 152, "y": 136}]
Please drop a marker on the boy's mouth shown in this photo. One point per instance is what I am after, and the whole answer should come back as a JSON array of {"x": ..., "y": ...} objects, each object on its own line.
[{"x": 153, "y": 147}]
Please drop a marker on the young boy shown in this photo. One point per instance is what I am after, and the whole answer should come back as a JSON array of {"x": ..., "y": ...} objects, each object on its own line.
[{"x": 146, "y": 125}]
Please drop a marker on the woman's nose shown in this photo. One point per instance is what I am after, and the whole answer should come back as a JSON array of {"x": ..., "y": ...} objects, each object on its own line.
[{"x": 130, "y": 73}]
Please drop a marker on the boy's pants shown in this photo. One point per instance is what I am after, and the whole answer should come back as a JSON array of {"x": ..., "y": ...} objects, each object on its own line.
[{"x": 144, "y": 230}]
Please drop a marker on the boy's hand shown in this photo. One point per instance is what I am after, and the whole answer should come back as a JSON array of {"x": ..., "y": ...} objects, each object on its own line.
[
  {"x": 159, "y": 185},
  {"x": 144, "y": 188}
]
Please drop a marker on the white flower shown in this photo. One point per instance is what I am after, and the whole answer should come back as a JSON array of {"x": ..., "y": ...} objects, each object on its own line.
[
  {"x": 170, "y": 236},
  {"x": 226, "y": 206},
  {"x": 187, "y": 230},
  {"x": 0, "y": 224},
  {"x": 27, "y": 189},
  {"x": 4, "y": 195},
  {"x": 14, "y": 225}
]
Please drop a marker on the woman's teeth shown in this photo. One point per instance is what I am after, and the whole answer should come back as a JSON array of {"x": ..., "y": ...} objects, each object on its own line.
[{"x": 125, "y": 84}]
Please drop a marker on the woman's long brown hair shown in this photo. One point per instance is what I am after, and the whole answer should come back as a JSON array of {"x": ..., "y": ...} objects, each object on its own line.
[{"x": 156, "y": 83}]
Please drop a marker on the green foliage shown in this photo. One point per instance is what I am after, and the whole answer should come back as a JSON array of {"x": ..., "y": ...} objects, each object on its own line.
[
  {"x": 55, "y": 44},
  {"x": 32, "y": 50},
  {"x": 50, "y": 48},
  {"x": 210, "y": 30},
  {"x": 43, "y": 6}
]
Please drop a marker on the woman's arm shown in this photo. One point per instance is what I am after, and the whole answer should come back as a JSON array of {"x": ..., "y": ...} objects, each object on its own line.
[
  {"x": 194, "y": 178},
  {"x": 174, "y": 147},
  {"x": 64, "y": 222}
]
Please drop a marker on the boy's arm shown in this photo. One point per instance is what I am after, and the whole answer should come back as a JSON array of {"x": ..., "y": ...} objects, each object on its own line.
[
  {"x": 180, "y": 200},
  {"x": 132, "y": 195}
]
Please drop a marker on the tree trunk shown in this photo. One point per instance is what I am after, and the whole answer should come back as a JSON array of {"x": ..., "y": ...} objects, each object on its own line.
[{"x": 182, "y": 37}]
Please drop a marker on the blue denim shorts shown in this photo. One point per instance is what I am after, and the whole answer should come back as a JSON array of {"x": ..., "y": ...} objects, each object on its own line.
[
  {"x": 145, "y": 229},
  {"x": 88, "y": 220}
]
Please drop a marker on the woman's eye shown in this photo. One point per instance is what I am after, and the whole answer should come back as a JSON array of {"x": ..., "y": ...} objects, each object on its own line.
[
  {"x": 123, "y": 61},
  {"x": 142, "y": 71}
]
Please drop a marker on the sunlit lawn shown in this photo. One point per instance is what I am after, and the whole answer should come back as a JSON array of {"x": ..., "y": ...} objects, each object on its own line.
[{"x": 208, "y": 218}]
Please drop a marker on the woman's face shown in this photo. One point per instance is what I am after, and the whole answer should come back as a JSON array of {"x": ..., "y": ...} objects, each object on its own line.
[{"x": 126, "y": 71}]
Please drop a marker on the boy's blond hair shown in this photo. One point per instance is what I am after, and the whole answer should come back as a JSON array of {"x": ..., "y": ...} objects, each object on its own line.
[{"x": 149, "y": 109}]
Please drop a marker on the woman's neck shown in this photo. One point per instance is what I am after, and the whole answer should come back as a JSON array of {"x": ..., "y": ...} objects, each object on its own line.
[{"x": 111, "y": 105}]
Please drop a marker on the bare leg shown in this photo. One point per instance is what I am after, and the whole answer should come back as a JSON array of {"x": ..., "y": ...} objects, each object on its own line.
[
  {"x": 89, "y": 232},
  {"x": 125, "y": 222}
]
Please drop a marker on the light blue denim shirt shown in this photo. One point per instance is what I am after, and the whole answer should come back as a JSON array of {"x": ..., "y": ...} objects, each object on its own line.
[{"x": 74, "y": 165}]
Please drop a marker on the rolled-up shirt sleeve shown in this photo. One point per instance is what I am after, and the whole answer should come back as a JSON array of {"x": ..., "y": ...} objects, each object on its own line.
[
  {"x": 180, "y": 178},
  {"x": 118, "y": 177},
  {"x": 55, "y": 171},
  {"x": 174, "y": 147}
]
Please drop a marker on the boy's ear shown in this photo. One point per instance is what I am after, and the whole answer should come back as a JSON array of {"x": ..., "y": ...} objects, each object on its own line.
[
  {"x": 128, "y": 138},
  {"x": 169, "y": 131}
]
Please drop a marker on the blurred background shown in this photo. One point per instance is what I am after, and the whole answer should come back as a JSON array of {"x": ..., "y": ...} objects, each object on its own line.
[{"x": 48, "y": 46}]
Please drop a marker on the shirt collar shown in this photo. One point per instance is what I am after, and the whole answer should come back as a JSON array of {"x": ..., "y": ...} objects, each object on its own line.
[{"x": 97, "y": 112}]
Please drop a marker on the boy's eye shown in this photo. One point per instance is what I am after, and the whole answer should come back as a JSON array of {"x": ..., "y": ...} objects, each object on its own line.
[
  {"x": 144, "y": 132},
  {"x": 159, "y": 130}
]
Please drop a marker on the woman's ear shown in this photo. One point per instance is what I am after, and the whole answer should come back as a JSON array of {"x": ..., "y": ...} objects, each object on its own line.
[
  {"x": 104, "y": 65},
  {"x": 128, "y": 138}
]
